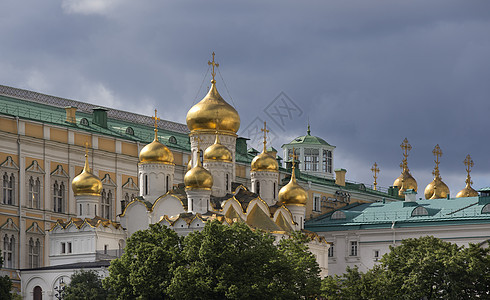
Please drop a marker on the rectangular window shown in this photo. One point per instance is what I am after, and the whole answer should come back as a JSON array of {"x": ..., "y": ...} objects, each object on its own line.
[
  {"x": 69, "y": 247},
  {"x": 330, "y": 250},
  {"x": 353, "y": 248},
  {"x": 106, "y": 247},
  {"x": 8, "y": 188},
  {"x": 376, "y": 255},
  {"x": 106, "y": 206},
  {"x": 316, "y": 203},
  {"x": 63, "y": 248}
]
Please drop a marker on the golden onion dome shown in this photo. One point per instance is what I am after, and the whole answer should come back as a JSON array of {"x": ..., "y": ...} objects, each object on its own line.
[
  {"x": 189, "y": 165},
  {"x": 86, "y": 183},
  {"x": 468, "y": 191},
  {"x": 156, "y": 152},
  {"x": 405, "y": 182},
  {"x": 218, "y": 152},
  {"x": 211, "y": 113},
  {"x": 198, "y": 178},
  {"x": 437, "y": 189},
  {"x": 264, "y": 162},
  {"x": 292, "y": 193}
]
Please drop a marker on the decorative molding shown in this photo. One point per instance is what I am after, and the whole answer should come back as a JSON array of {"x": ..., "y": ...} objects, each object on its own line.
[
  {"x": 35, "y": 168},
  {"x": 9, "y": 163},
  {"x": 59, "y": 172},
  {"x": 9, "y": 225},
  {"x": 35, "y": 229},
  {"x": 107, "y": 180},
  {"x": 130, "y": 185}
]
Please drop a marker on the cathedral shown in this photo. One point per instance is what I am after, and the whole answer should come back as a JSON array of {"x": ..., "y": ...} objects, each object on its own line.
[{"x": 77, "y": 180}]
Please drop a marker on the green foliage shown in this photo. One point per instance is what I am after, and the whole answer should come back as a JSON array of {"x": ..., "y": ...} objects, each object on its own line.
[
  {"x": 85, "y": 285},
  {"x": 5, "y": 285},
  {"x": 423, "y": 268},
  {"x": 219, "y": 262}
]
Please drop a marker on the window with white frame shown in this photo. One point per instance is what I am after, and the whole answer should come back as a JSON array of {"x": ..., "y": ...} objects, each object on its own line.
[
  {"x": 106, "y": 205},
  {"x": 316, "y": 204},
  {"x": 8, "y": 251},
  {"x": 311, "y": 159},
  {"x": 34, "y": 252},
  {"x": 59, "y": 194},
  {"x": 8, "y": 188},
  {"x": 327, "y": 161},
  {"x": 353, "y": 248},
  {"x": 331, "y": 250}
]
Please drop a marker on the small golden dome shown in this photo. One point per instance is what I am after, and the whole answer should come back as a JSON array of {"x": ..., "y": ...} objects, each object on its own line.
[
  {"x": 189, "y": 165},
  {"x": 264, "y": 162},
  {"x": 86, "y": 183},
  {"x": 437, "y": 189},
  {"x": 198, "y": 178},
  {"x": 211, "y": 113},
  {"x": 218, "y": 152},
  {"x": 292, "y": 193},
  {"x": 468, "y": 191},
  {"x": 156, "y": 152},
  {"x": 405, "y": 182}
]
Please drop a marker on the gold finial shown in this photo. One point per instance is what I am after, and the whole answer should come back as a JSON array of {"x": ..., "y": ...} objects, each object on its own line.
[
  {"x": 265, "y": 131},
  {"x": 87, "y": 166},
  {"x": 437, "y": 153},
  {"x": 406, "y": 147},
  {"x": 294, "y": 157},
  {"x": 375, "y": 170},
  {"x": 214, "y": 64},
  {"x": 156, "y": 125},
  {"x": 468, "y": 162}
]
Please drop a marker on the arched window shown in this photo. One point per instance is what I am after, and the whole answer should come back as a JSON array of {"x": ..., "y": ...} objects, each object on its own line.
[
  {"x": 34, "y": 192},
  {"x": 81, "y": 212},
  {"x": 274, "y": 191},
  {"x": 37, "y": 293},
  {"x": 106, "y": 204},
  {"x": 37, "y": 254},
  {"x": 227, "y": 182},
  {"x": 145, "y": 184},
  {"x": 59, "y": 196},
  {"x": 257, "y": 187},
  {"x": 8, "y": 188},
  {"x": 31, "y": 253},
  {"x": 8, "y": 251},
  {"x": 167, "y": 181}
]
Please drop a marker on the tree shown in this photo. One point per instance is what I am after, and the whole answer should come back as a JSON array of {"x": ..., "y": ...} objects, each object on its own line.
[
  {"x": 219, "y": 262},
  {"x": 5, "y": 285},
  {"x": 146, "y": 267},
  {"x": 85, "y": 285},
  {"x": 422, "y": 268}
]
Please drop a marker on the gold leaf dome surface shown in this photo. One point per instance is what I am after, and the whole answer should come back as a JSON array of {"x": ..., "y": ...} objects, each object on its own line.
[
  {"x": 86, "y": 183},
  {"x": 213, "y": 112},
  {"x": 292, "y": 193},
  {"x": 405, "y": 182},
  {"x": 264, "y": 162},
  {"x": 218, "y": 152},
  {"x": 468, "y": 191},
  {"x": 198, "y": 178},
  {"x": 156, "y": 152},
  {"x": 437, "y": 189}
]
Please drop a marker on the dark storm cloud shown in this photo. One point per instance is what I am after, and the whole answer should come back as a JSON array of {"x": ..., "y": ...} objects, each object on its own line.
[{"x": 366, "y": 74}]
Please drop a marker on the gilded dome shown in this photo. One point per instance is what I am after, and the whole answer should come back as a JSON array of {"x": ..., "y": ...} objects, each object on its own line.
[
  {"x": 468, "y": 191},
  {"x": 218, "y": 152},
  {"x": 292, "y": 193},
  {"x": 212, "y": 112},
  {"x": 437, "y": 189},
  {"x": 405, "y": 182},
  {"x": 265, "y": 162},
  {"x": 189, "y": 165},
  {"x": 156, "y": 152},
  {"x": 198, "y": 178},
  {"x": 86, "y": 183}
]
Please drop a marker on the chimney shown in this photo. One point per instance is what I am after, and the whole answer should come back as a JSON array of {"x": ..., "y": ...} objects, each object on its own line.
[
  {"x": 410, "y": 195},
  {"x": 71, "y": 114},
  {"x": 100, "y": 117},
  {"x": 340, "y": 176}
]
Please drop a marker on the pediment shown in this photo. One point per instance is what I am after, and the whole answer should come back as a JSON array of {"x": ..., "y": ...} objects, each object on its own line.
[
  {"x": 59, "y": 172},
  {"x": 35, "y": 229},
  {"x": 35, "y": 168},
  {"x": 107, "y": 180},
  {"x": 9, "y": 163},
  {"x": 130, "y": 185},
  {"x": 9, "y": 225}
]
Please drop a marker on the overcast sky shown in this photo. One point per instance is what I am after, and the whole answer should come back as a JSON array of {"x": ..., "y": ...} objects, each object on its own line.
[{"x": 365, "y": 73}]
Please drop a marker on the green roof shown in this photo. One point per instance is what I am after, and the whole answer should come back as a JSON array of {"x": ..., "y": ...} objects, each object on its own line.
[
  {"x": 434, "y": 212},
  {"x": 308, "y": 139}
]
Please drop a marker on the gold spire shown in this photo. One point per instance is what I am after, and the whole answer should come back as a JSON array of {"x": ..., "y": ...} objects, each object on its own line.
[
  {"x": 86, "y": 183},
  {"x": 437, "y": 189},
  {"x": 405, "y": 181},
  {"x": 375, "y": 170},
  {"x": 214, "y": 64},
  {"x": 264, "y": 161},
  {"x": 292, "y": 193},
  {"x": 156, "y": 152},
  {"x": 201, "y": 117},
  {"x": 468, "y": 191}
]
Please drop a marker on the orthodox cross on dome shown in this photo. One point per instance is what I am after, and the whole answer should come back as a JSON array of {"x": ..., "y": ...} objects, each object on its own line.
[
  {"x": 294, "y": 157},
  {"x": 214, "y": 64},
  {"x": 375, "y": 170},
  {"x": 156, "y": 125},
  {"x": 406, "y": 147},
  {"x": 468, "y": 162},
  {"x": 437, "y": 153},
  {"x": 86, "y": 148},
  {"x": 265, "y": 131}
]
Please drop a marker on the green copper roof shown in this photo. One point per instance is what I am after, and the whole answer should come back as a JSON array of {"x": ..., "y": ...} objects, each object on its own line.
[
  {"x": 434, "y": 212},
  {"x": 308, "y": 139}
]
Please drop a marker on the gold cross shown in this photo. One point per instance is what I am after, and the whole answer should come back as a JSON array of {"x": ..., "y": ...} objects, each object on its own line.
[
  {"x": 86, "y": 148},
  {"x": 265, "y": 131},
  {"x": 214, "y": 64},
  {"x": 156, "y": 119},
  {"x": 468, "y": 162},
  {"x": 406, "y": 147},
  {"x": 294, "y": 157},
  {"x": 437, "y": 153},
  {"x": 375, "y": 170}
]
